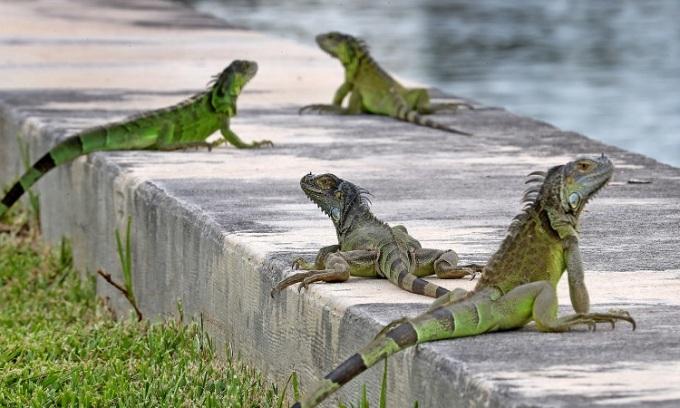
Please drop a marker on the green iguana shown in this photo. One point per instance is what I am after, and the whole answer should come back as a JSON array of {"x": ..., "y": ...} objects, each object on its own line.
[
  {"x": 369, "y": 247},
  {"x": 373, "y": 90},
  {"x": 517, "y": 284},
  {"x": 187, "y": 124}
]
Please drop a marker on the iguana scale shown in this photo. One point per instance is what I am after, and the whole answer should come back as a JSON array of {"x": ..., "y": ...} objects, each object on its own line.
[
  {"x": 517, "y": 284},
  {"x": 187, "y": 124},
  {"x": 372, "y": 90},
  {"x": 369, "y": 247}
]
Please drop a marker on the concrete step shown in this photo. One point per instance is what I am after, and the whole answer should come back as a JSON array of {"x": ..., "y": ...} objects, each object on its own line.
[{"x": 215, "y": 230}]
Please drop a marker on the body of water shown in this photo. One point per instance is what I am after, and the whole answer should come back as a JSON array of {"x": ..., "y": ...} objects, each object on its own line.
[{"x": 608, "y": 69}]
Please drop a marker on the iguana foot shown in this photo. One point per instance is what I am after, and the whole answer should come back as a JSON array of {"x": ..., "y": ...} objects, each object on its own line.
[
  {"x": 321, "y": 108},
  {"x": 308, "y": 277},
  {"x": 214, "y": 144},
  {"x": 591, "y": 319},
  {"x": 449, "y": 271},
  {"x": 300, "y": 263},
  {"x": 324, "y": 275},
  {"x": 291, "y": 280},
  {"x": 449, "y": 106},
  {"x": 257, "y": 144}
]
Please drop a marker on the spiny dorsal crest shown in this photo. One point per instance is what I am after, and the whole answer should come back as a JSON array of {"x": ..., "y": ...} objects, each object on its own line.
[
  {"x": 235, "y": 66},
  {"x": 358, "y": 43},
  {"x": 365, "y": 197},
  {"x": 541, "y": 183}
]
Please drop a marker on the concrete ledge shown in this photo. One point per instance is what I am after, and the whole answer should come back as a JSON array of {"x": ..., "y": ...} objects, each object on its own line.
[{"x": 216, "y": 230}]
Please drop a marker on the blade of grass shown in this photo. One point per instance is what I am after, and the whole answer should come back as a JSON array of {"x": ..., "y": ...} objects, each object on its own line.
[{"x": 383, "y": 388}]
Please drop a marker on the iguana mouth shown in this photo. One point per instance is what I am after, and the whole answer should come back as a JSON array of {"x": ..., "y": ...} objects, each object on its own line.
[
  {"x": 313, "y": 196},
  {"x": 313, "y": 193}
]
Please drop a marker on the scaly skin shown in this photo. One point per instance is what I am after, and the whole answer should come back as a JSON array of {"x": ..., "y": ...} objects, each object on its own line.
[
  {"x": 517, "y": 285},
  {"x": 373, "y": 90},
  {"x": 187, "y": 124},
  {"x": 367, "y": 246}
]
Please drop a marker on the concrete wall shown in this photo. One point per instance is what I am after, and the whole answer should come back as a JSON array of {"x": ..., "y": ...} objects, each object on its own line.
[{"x": 216, "y": 230}]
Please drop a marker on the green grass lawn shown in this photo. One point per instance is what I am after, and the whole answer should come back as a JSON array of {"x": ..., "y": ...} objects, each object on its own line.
[{"x": 59, "y": 344}]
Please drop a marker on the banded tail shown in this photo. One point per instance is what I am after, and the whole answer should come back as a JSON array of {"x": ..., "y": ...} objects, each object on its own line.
[
  {"x": 411, "y": 116},
  {"x": 65, "y": 151},
  {"x": 398, "y": 272},
  {"x": 434, "y": 325},
  {"x": 91, "y": 140},
  {"x": 384, "y": 345}
]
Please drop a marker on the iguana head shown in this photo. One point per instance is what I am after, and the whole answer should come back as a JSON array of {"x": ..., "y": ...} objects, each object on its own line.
[
  {"x": 564, "y": 190},
  {"x": 229, "y": 83},
  {"x": 341, "y": 46},
  {"x": 335, "y": 196}
]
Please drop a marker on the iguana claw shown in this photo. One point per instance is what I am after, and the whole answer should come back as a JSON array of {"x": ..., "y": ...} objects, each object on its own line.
[
  {"x": 320, "y": 108},
  {"x": 300, "y": 264},
  {"x": 591, "y": 319},
  {"x": 451, "y": 106},
  {"x": 263, "y": 143}
]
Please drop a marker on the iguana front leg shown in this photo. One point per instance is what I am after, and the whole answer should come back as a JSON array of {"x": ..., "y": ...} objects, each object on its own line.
[
  {"x": 319, "y": 262},
  {"x": 541, "y": 300},
  {"x": 340, "y": 94},
  {"x": 335, "y": 107},
  {"x": 337, "y": 267},
  {"x": 578, "y": 292},
  {"x": 354, "y": 107},
  {"x": 236, "y": 141},
  {"x": 323, "y": 109}
]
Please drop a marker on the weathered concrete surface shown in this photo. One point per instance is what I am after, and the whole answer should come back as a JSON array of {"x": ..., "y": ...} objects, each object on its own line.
[{"x": 216, "y": 230}]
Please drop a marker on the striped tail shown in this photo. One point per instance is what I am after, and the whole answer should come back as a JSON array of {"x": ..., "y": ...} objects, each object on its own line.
[
  {"x": 436, "y": 324},
  {"x": 411, "y": 116},
  {"x": 65, "y": 151},
  {"x": 398, "y": 272},
  {"x": 388, "y": 342},
  {"x": 419, "y": 286}
]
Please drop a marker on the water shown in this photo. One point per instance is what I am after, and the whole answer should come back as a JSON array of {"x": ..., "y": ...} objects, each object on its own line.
[{"x": 608, "y": 69}]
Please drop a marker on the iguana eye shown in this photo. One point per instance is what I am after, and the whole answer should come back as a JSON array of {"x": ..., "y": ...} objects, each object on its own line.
[{"x": 583, "y": 166}]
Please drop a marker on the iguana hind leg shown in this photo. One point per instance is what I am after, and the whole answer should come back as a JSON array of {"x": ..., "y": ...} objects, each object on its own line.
[
  {"x": 419, "y": 100},
  {"x": 454, "y": 296},
  {"x": 337, "y": 267},
  {"x": 444, "y": 264}
]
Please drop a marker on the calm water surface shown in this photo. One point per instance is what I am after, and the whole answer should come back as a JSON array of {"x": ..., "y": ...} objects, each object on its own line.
[{"x": 608, "y": 69}]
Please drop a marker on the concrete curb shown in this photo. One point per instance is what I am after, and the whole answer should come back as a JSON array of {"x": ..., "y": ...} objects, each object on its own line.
[{"x": 216, "y": 230}]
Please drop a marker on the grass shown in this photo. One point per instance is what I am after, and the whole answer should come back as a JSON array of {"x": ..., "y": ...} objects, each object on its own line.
[{"x": 61, "y": 346}]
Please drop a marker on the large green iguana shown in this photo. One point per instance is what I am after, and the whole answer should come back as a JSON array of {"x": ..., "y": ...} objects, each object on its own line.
[
  {"x": 369, "y": 247},
  {"x": 187, "y": 124},
  {"x": 518, "y": 283},
  {"x": 373, "y": 90}
]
